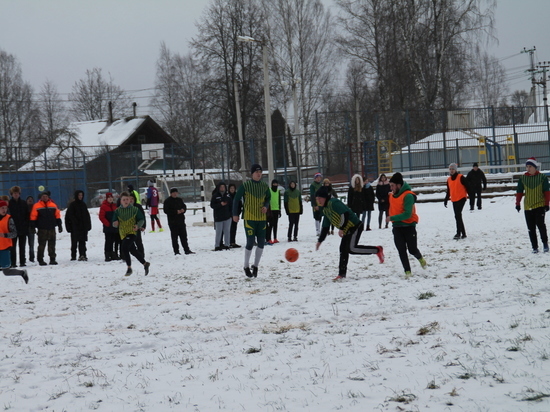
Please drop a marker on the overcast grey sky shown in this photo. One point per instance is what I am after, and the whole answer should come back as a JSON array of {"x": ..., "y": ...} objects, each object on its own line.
[{"x": 60, "y": 39}]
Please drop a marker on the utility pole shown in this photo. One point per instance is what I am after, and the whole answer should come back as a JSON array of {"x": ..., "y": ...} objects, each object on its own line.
[
  {"x": 532, "y": 95},
  {"x": 544, "y": 66}
]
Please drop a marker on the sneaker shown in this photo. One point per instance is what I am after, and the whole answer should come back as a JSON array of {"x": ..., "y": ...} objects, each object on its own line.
[
  {"x": 248, "y": 273},
  {"x": 338, "y": 278},
  {"x": 456, "y": 237},
  {"x": 82, "y": 258},
  {"x": 270, "y": 242},
  {"x": 295, "y": 239},
  {"x": 177, "y": 253},
  {"x": 161, "y": 230},
  {"x": 463, "y": 236},
  {"x": 151, "y": 231},
  {"x": 25, "y": 276},
  {"x": 423, "y": 263},
  {"x": 53, "y": 262},
  {"x": 544, "y": 248},
  {"x": 128, "y": 272},
  {"x": 189, "y": 252},
  {"x": 380, "y": 254},
  {"x": 254, "y": 271},
  {"x": 146, "y": 267},
  {"x": 42, "y": 263},
  {"x": 289, "y": 239},
  {"x": 535, "y": 251},
  {"x": 73, "y": 258},
  {"x": 234, "y": 246},
  {"x": 22, "y": 265},
  {"x": 408, "y": 274},
  {"x": 218, "y": 248},
  {"x": 275, "y": 241}
]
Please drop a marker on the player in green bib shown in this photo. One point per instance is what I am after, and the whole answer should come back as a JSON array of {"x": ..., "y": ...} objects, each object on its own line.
[
  {"x": 350, "y": 229},
  {"x": 257, "y": 198}
]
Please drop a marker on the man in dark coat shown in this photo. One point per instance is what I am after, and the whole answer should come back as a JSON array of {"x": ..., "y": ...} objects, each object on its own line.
[
  {"x": 175, "y": 210},
  {"x": 476, "y": 178},
  {"x": 78, "y": 224},
  {"x": 19, "y": 212},
  {"x": 45, "y": 217}
]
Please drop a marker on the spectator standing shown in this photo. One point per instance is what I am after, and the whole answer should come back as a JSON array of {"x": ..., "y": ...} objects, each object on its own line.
[
  {"x": 233, "y": 235},
  {"x": 457, "y": 191},
  {"x": 273, "y": 213},
  {"x": 356, "y": 195},
  {"x": 350, "y": 229},
  {"x": 294, "y": 208},
  {"x": 368, "y": 192},
  {"x": 402, "y": 214},
  {"x": 476, "y": 182},
  {"x": 175, "y": 209},
  {"x": 222, "y": 204},
  {"x": 30, "y": 230},
  {"x": 534, "y": 185},
  {"x": 153, "y": 200},
  {"x": 382, "y": 193},
  {"x": 316, "y": 185},
  {"x": 257, "y": 196},
  {"x": 129, "y": 219},
  {"x": 8, "y": 231},
  {"x": 78, "y": 224},
  {"x": 19, "y": 212},
  {"x": 333, "y": 195},
  {"x": 45, "y": 216},
  {"x": 112, "y": 239}
]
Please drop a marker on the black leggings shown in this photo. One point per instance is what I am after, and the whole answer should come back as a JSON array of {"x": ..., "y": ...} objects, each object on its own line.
[
  {"x": 535, "y": 219},
  {"x": 457, "y": 207},
  {"x": 349, "y": 245},
  {"x": 405, "y": 237},
  {"x": 128, "y": 247}
]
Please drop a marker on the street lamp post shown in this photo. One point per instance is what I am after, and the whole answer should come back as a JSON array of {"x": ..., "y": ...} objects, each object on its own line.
[{"x": 267, "y": 101}]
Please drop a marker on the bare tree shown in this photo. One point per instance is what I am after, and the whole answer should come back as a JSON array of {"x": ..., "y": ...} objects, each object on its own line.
[
  {"x": 54, "y": 120},
  {"x": 227, "y": 61},
  {"x": 490, "y": 89},
  {"x": 18, "y": 113},
  {"x": 91, "y": 96}
]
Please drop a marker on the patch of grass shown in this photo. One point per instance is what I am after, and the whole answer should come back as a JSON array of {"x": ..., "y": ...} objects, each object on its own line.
[
  {"x": 403, "y": 398},
  {"x": 284, "y": 329},
  {"x": 426, "y": 295},
  {"x": 454, "y": 392},
  {"x": 465, "y": 376},
  {"x": 428, "y": 329},
  {"x": 185, "y": 316},
  {"x": 432, "y": 385},
  {"x": 252, "y": 350}
]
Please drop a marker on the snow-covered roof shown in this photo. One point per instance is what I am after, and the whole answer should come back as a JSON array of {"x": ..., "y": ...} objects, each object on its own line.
[
  {"x": 85, "y": 138},
  {"x": 527, "y": 133}
]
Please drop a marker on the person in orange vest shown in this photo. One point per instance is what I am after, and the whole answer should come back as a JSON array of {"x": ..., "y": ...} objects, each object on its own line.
[
  {"x": 45, "y": 216},
  {"x": 8, "y": 232},
  {"x": 403, "y": 217},
  {"x": 457, "y": 191}
]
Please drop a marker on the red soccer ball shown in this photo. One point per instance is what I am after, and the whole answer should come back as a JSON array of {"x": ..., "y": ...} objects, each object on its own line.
[{"x": 292, "y": 255}]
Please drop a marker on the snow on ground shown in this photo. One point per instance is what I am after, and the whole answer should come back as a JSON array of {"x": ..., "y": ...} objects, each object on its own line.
[{"x": 470, "y": 333}]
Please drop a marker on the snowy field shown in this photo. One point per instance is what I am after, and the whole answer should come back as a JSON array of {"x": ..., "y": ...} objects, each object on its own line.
[{"x": 470, "y": 333}]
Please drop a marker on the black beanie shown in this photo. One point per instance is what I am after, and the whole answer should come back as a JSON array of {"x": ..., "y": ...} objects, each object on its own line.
[
  {"x": 255, "y": 167},
  {"x": 323, "y": 192},
  {"x": 274, "y": 181},
  {"x": 397, "y": 178}
]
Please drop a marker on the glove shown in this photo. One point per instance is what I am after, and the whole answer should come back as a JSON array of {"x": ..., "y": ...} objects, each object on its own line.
[
  {"x": 60, "y": 229},
  {"x": 445, "y": 203},
  {"x": 546, "y": 208},
  {"x": 518, "y": 207}
]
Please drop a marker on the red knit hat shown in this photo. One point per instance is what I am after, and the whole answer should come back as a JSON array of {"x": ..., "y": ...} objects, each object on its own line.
[
  {"x": 3, "y": 203},
  {"x": 533, "y": 162}
]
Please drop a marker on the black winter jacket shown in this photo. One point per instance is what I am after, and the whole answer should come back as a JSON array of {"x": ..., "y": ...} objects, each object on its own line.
[
  {"x": 221, "y": 212},
  {"x": 20, "y": 213},
  {"x": 171, "y": 207},
  {"x": 77, "y": 216}
]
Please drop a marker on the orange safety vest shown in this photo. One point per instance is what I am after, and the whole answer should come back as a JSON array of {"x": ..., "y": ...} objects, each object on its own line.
[
  {"x": 456, "y": 188},
  {"x": 5, "y": 228},
  {"x": 397, "y": 206}
]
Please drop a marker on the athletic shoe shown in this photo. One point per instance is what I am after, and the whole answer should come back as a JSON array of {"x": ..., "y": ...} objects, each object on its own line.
[
  {"x": 295, "y": 239},
  {"x": 151, "y": 231},
  {"x": 463, "y": 237},
  {"x": 270, "y": 242},
  {"x": 74, "y": 258},
  {"x": 161, "y": 230},
  {"x": 53, "y": 262},
  {"x": 535, "y": 251},
  {"x": 128, "y": 272},
  {"x": 248, "y": 273},
  {"x": 177, "y": 253},
  {"x": 42, "y": 263},
  {"x": 337, "y": 278},
  {"x": 289, "y": 239},
  {"x": 218, "y": 248},
  {"x": 275, "y": 241},
  {"x": 423, "y": 263},
  {"x": 234, "y": 246},
  {"x": 545, "y": 249},
  {"x": 188, "y": 252},
  {"x": 456, "y": 237},
  {"x": 22, "y": 265},
  {"x": 146, "y": 267},
  {"x": 408, "y": 274},
  {"x": 254, "y": 271},
  {"x": 25, "y": 276},
  {"x": 82, "y": 258},
  {"x": 380, "y": 254}
]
